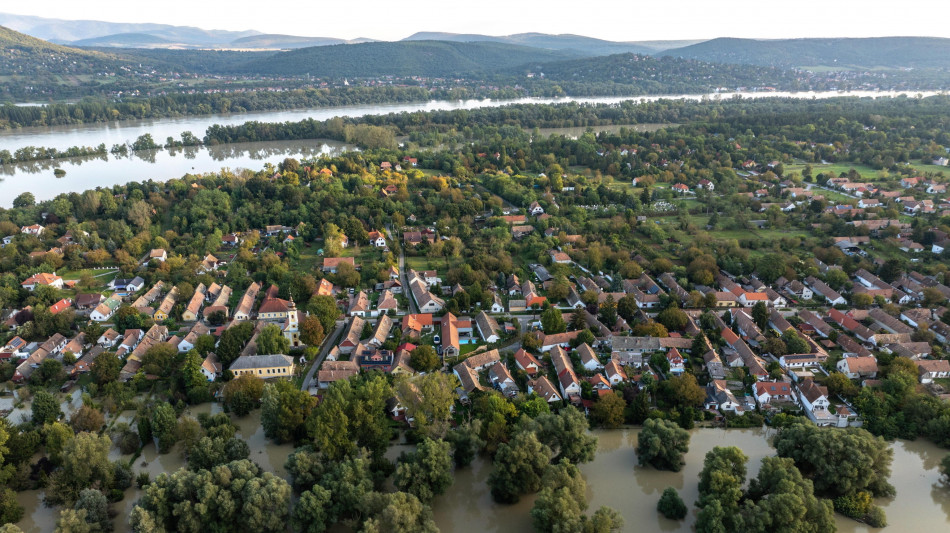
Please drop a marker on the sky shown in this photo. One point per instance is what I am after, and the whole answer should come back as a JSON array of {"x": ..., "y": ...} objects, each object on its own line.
[{"x": 630, "y": 20}]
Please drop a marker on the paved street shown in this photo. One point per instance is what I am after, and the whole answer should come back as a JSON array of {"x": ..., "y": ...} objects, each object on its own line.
[{"x": 329, "y": 342}]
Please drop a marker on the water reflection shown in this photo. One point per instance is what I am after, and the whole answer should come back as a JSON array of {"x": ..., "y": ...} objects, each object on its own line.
[{"x": 84, "y": 173}]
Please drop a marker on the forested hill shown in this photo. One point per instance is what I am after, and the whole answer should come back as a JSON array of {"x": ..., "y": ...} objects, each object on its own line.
[
  {"x": 24, "y": 55},
  {"x": 896, "y": 52},
  {"x": 419, "y": 58},
  {"x": 652, "y": 75}
]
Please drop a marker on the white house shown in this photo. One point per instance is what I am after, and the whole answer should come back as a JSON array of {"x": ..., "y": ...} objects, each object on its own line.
[{"x": 814, "y": 397}]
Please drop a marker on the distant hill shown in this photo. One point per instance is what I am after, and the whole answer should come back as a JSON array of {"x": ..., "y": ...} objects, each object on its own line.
[
  {"x": 70, "y": 31},
  {"x": 893, "y": 52},
  {"x": 277, "y": 41},
  {"x": 25, "y": 55},
  {"x": 124, "y": 40},
  {"x": 422, "y": 58},
  {"x": 652, "y": 75},
  {"x": 578, "y": 43}
]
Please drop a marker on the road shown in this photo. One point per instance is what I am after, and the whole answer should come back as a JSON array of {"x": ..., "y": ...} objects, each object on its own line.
[
  {"x": 403, "y": 277},
  {"x": 328, "y": 343}
]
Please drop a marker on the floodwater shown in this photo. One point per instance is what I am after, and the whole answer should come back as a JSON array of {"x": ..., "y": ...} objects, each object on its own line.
[
  {"x": 86, "y": 173},
  {"x": 616, "y": 480},
  {"x": 83, "y": 173},
  {"x": 613, "y": 479}
]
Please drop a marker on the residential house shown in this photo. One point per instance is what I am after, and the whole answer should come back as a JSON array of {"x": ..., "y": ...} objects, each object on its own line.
[
  {"x": 211, "y": 367},
  {"x": 332, "y": 371},
  {"x": 858, "y": 367},
  {"x": 929, "y": 370},
  {"x": 158, "y": 254},
  {"x": 814, "y": 398},
  {"x": 60, "y": 306},
  {"x": 377, "y": 239},
  {"x": 332, "y": 264},
  {"x": 488, "y": 327},
  {"x": 527, "y": 362},
  {"x": 570, "y": 385},
  {"x": 535, "y": 209},
  {"x": 352, "y": 334},
  {"x": 588, "y": 357},
  {"x": 820, "y": 287},
  {"x": 43, "y": 278},
  {"x": 718, "y": 396},
  {"x": 383, "y": 327},
  {"x": 360, "y": 306},
  {"x": 677, "y": 362},
  {"x": 768, "y": 392},
  {"x": 561, "y": 340},
  {"x": 501, "y": 378},
  {"x": 543, "y": 387},
  {"x": 190, "y": 314},
  {"x": 467, "y": 371},
  {"x": 197, "y": 330},
  {"x": 165, "y": 308},
  {"x": 106, "y": 309},
  {"x": 89, "y": 301},
  {"x": 246, "y": 305},
  {"x": 615, "y": 373},
  {"x": 387, "y": 302},
  {"x": 108, "y": 338},
  {"x": 450, "y": 336}
]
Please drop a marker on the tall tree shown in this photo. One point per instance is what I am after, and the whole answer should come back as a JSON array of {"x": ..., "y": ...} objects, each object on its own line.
[{"x": 662, "y": 444}]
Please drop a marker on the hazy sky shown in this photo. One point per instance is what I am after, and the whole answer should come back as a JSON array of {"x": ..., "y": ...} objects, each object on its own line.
[{"x": 630, "y": 20}]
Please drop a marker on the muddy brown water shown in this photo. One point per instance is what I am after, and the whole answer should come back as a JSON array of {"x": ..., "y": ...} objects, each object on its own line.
[{"x": 613, "y": 479}]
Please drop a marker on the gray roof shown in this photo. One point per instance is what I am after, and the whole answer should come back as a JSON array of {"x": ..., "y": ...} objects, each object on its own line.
[{"x": 261, "y": 361}]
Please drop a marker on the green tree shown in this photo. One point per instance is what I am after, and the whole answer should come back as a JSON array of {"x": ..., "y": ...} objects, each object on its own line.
[
  {"x": 662, "y": 444},
  {"x": 164, "y": 424},
  {"x": 671, "y": 505},
  {"x": 85, "y": 464},
  {"x": 673, "y": 318},
  {"x": 760, "y": 314},
  {"x": 466, "y": 442},
  {"x": 246, "y": 495},
  {"x": 24, "y": 200},
  {"x": 566, "y": 435},
  {"x": 518, "y": 467},
  {"x": 428, "y": 401},
  {"x": 397, "y": 512},
  {"x": 45, "y": 408},
  {"x": 284, "y": 410},
  {"x": 106, "y": 368},
  {"x": 608, "y": 411},
  {"x": 242, "y": 395},
  {"x": 793, "y": 342},
  {"x": 310, "y": 512},
  {"x": 426, "y": 472},
  {"x": 271, "y": 340},
  {"x": 311, "y": 331},
  {"x": 209, "y": 452},
  {"x": 58, "y": 436},
  {"x": 839, "y": 462},
  {"x": 325, "y": 309},
  {"x": 552, "y": 322},
  {"x": 87, "y": 419},
  {"x": 96, "y": 507},
  {"x": 423, "y": 358}
]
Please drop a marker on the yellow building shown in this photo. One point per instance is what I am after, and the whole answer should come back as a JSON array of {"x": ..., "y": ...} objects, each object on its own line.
[{"x": 264, "y": 366}]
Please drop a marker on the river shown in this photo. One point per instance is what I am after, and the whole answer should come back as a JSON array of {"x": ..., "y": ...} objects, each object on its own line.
[
  {"x": 613, "y": 479},
  {"x": 87, "y": 173}
]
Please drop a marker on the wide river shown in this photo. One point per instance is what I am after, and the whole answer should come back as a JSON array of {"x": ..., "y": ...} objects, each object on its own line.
[{"x": 82, "y": 174}]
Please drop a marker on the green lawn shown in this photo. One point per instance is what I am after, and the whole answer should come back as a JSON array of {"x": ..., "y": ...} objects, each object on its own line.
[{"x": 865, "y": 171}]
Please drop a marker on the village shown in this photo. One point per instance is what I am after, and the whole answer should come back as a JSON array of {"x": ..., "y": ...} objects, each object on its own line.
[{"x": 502, "y": 344}]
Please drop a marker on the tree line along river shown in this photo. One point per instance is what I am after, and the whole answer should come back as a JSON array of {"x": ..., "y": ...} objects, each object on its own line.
[{"x": 108, "y": 170}]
